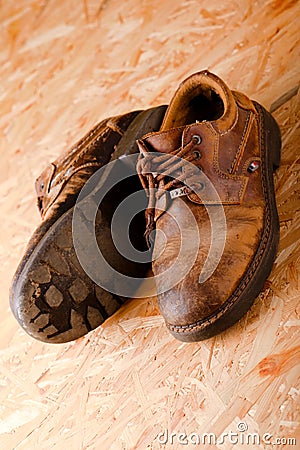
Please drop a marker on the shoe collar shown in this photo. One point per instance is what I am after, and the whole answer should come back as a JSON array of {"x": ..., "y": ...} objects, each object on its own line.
[{"x": 189, "y": 89}]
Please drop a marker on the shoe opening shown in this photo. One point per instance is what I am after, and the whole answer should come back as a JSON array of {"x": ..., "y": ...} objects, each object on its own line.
[
  {"x": 206, "y": 105},
  {"x": 194, "y": 103}
]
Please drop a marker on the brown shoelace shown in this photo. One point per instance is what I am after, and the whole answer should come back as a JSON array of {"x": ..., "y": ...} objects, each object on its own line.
[{"x": 153, "y": 168}]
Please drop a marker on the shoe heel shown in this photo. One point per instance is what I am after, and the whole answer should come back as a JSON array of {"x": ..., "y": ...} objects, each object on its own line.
[{"x": 273, "y": 136}]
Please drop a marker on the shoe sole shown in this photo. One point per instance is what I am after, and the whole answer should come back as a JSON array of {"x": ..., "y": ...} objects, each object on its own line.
[
  {"x": 51, "y": 296},
  {"x": 253, "y": 282}
]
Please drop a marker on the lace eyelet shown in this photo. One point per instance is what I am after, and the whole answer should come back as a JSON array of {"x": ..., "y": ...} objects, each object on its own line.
[
  {"x": 197, "y": 154},
  {"x": 201, "y": 186},
  {"x": 197, "y": 138}
]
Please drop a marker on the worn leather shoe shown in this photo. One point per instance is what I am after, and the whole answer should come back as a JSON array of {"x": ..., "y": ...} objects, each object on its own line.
[
  {"x": 52, "y": 296},
  {"x": 208, "y": 173}
]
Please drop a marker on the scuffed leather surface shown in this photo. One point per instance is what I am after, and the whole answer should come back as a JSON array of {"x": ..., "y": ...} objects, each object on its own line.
[
  {"x": 225, "y": 158},
  {"x": 59, "y": 184},
  {"x": 189, "y": 301}
]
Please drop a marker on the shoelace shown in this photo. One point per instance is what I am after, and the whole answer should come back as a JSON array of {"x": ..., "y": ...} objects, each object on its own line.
[{"x": 153, "y": 168}]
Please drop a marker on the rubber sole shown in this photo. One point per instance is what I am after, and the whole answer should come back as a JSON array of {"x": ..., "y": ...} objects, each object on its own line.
[
  {"x": 51, "y": 296},
  {"x": 258, "y": 271}
]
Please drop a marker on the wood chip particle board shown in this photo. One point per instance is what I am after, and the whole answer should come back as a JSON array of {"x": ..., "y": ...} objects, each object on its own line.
[{"x": 64, "y": 66}]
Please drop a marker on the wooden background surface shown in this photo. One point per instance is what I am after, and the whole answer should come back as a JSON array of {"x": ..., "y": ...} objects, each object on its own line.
[{"x": 64, "y": 65}]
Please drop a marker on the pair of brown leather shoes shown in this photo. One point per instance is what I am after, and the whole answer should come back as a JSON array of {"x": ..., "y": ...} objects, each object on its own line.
[{"x": 206, "y": 164}]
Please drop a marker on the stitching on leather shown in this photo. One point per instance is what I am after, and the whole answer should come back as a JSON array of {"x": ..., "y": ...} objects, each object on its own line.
[
  {"x": 81, "y": 147},
  {"x": 93, "y": 142},
  {"x": 256, "y": 260},
  {"x": 242, "y": 179},
  {"x": 91, "y": 138},
  {"x": 241, "y": 147},
  {"x": 64, "y": 181},
  {"x": 243, "y": 188},
  {"x": 114, "y": 127},
  {"x": 161, "y": 133},
  {"x": 221, "y": 174},
  {"x": 226, "y": 176},
  {"x": 233, "y": 125},
  {"x": 82, "y": 143}
]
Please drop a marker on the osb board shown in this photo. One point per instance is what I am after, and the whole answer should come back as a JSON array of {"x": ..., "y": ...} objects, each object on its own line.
[{"x": 65, "y": 65}]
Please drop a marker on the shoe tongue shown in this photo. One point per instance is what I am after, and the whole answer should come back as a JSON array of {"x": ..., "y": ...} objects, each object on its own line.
[
  {"x": 165, "y": 141},
  {"x": 182, "y": 110}
]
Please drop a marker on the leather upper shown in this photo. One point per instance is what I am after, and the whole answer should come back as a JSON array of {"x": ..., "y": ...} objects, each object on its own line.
[
  {"x": 230, "y": 154},
  {"x": 60, "y": 183}
]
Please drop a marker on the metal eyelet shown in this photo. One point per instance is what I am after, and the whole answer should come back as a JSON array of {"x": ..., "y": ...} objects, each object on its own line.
[
  {"x": 42, "y": 186},
  {"x": 197, "y": 154},
  {"x": 253, "y": 166},
  {"x": 197, "y": 138}
]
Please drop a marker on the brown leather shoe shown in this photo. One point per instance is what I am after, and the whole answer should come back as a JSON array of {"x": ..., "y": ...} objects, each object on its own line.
[
  {"x": 228, "y": 147},
  {"x": 52, "y": 296}
]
